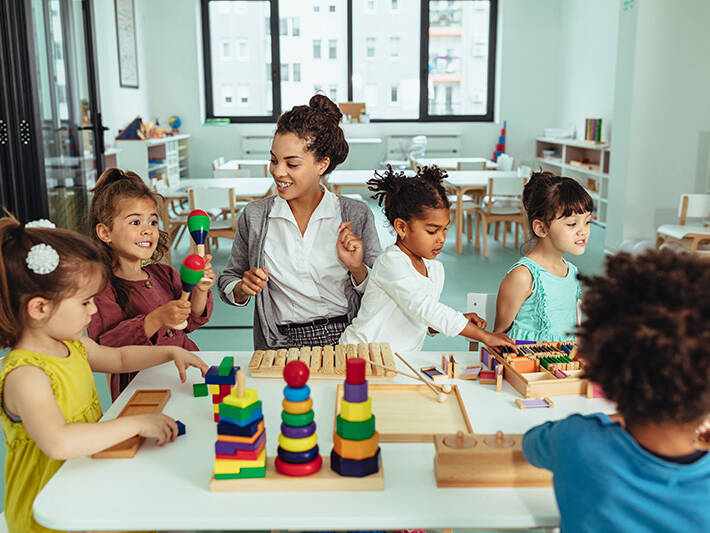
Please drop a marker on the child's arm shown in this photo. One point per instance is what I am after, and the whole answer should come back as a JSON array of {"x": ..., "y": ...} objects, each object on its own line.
[
  {"x": 131, "y": 358},
  {"x": 515, "y": 288},
  {"x": 539, "y": 445},
  {"x": 27, "y": 393}
]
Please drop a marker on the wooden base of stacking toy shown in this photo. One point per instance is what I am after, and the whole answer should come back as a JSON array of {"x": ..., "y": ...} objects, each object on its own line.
[{"x": 323, "y": 480}]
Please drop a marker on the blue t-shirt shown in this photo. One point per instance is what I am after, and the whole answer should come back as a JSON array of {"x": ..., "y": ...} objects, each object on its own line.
[{"x": 605, "y": 481}]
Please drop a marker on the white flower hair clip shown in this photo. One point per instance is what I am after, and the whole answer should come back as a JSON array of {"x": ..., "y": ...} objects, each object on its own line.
[
  {"x": 41, "y": 223},
  {"x": 42, "y": 259}
]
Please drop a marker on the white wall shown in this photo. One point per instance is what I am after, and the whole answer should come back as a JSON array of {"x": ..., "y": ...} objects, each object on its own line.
[
  {"x": 528, "y": 90},
  {"x": 661, "y": 115},
  {"x": 120, "y": 105}
]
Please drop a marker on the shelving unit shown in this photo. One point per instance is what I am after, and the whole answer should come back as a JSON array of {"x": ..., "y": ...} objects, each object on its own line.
[
  {"x": 166, "y": 159},
  {"x": 585, "y": 161}
]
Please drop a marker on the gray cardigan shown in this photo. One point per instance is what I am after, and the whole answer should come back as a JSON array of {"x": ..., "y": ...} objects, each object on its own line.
[{"x": 248, "y": 251}]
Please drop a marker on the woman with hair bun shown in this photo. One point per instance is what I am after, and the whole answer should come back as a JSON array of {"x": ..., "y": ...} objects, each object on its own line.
[{"x": 304, "y": 254}]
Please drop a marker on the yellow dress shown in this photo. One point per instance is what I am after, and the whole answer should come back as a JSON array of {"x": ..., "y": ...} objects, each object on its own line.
[{"x": 27, "y": 469}]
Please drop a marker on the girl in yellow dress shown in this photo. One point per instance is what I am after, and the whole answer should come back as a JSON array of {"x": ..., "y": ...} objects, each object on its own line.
[{"x": 50, "y": 407}]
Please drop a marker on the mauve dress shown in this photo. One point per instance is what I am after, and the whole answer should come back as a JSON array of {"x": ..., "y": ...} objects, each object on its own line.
[{"x": 111, "y": 326}]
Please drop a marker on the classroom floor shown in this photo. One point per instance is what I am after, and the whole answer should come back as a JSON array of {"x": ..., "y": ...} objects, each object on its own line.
[{"x": 230, "y": 328}]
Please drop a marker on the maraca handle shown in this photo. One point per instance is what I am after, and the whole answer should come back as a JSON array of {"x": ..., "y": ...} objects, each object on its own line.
[
  {"x": 201, "y": 250},
  {"x": 183, "y": 298}
]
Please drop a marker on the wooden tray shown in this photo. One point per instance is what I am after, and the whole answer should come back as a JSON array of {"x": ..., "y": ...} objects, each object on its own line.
[
  {"x": 323, "y": 480},
  {"x": 143, "y": 402},
  {"x": 411, "y": 413},
  {"x": 326, "y": 362}
]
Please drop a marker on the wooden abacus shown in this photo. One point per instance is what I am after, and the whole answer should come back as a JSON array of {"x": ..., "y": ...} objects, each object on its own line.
[{"x": 325, "y": 362}]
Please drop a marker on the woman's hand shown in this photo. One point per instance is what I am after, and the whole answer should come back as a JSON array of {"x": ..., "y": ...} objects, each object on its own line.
[
  {"x": 349, "y": 246},
  {"x": 184, "y": 359},
  {"x": 253, "y": 282},
  {"x": 208, "y": 278}
]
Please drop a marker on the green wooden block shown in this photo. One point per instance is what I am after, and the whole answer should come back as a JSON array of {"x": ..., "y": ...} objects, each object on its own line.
[
  {"x": 238, "y": 413},
  {"x": 200, "y": 389},
  {"x": 244, "y": 473},
  {"x": 225, "y": 367},
  {"x": 297, "y": 421},
  {"x": 355, "y": 430}
]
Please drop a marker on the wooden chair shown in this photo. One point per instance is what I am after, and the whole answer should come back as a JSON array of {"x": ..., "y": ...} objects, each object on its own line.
[
  {"x": 688, "y": 236},
  {"x": 204, "y": 197},
  {"x": 502, "y": 204},
  {"x": 484, "y": 305},
  {"x": 470, "y": 204}
]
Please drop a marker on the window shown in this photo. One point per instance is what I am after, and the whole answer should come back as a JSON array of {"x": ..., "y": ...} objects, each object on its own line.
[
  {"x": 440, "y": 66},
  {"x": 316, "y": 49},
  {"x": 370, "y": 45},
  {"x": 394, "y": 47}
]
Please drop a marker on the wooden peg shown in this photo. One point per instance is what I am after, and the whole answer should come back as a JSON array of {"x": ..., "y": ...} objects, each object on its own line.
[{"x": 241, "y": 383}]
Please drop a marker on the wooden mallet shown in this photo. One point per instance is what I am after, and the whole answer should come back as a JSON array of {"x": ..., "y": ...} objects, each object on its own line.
[{"x": 193, "y": 266}]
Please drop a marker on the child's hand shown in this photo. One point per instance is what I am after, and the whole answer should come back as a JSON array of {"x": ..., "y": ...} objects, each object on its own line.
[
  {"x": 208, "y": 278},
  {"x": 253, "y": 281},
  {"x": 173, "y": 313},
  {"x": 184, "y": 359},
  {"x": 157, "y": 426},
  {"x": 493, "y": 340},
  {"x": 477, "y": 320},
  {"x": 349, "y": 246}
]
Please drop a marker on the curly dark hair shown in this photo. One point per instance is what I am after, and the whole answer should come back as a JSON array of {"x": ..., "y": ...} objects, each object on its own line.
[
  {"x": 407, "y": 197},
  {"x": 646, "y": 335},
  {"x": 547, "y": 197},
  {"x": 318, "y": 124}
]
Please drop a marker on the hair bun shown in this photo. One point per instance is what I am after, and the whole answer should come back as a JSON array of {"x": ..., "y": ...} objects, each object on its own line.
[{"x": 323, "y": 104}]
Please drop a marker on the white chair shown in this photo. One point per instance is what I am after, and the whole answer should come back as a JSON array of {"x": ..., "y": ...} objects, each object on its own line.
[
  {"x": 503, "y": 203},
  {"x": 470, "y": 204},
  {"x": 484, "y": 305},
  {"x": 692, "y": 237},
  {"x": 417, "y": 149},
  {"x": 205, "y": 198},
  {"x": 217, "y": 163}
]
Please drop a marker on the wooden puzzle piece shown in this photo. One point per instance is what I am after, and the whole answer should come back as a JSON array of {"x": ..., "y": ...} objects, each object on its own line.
[
  {"x": 433, "y": 373},
  {"x": 534, "y": 403}
]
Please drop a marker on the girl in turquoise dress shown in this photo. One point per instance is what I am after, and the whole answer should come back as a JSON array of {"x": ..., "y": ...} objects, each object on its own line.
[{"x": 537, "y": 299}]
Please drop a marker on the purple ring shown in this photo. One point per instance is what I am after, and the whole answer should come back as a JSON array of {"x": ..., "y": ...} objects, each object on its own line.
[
  {"x": 355, "y": 393},
  {"x": 300, "y": 432}
]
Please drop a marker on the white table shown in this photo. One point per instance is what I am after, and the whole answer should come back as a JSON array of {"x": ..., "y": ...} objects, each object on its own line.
[
  {"x": 245, "y": 189},
  {"x": 228, "y": 169},
  {"x": 473, "y": 182},
  {"x": 363, "y": 140},
  {"x": 167, "y": 487},
  {"x": 454, "y": 163},
  {"x": 339, "y": 179}
]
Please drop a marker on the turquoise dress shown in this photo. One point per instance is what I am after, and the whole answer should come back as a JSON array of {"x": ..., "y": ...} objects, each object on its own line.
[{"x": 550, "y": 313}]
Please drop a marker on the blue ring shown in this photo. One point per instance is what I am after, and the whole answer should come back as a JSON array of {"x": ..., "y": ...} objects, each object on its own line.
[
  {"x": 297, "y": 394},
  {"x": 298, "y": 457}
]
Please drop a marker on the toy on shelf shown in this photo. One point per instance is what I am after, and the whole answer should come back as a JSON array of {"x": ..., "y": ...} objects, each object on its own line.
[
  {"x": 240, "y": 450},
  {"x": 539, "y": 369},
  {"x": 219, "y": 382},
  {"x": 485, "y": 461},
  {"x": 500, "y": 145},
  {"x": 356, "y": 450},
  {"x": 143, "y": 402},
  {"x": 298, "y": 453},
  {"x": 191, "y": 272},
  {"x": 325, "y": 362}
]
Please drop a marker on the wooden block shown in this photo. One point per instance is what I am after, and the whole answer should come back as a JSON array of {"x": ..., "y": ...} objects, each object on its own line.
[
  {"x": 268, "y": 360},
  {"x": 232, "y": 466},
  {"x": 328, "y": 360},
  {"x": 499, "y": 378},
  {"x": 323, "y": 480},
  {"x": 240, "y": 414},
  {"x": 523, "y": 365},
  {"x": 453, "y": 368},
  {"x": 533, "y": 403},
  {"x": 292, "y": 355},
  {"x": 485, "y": 461},
  {"x": 250, "y": 397},
  {"x": 316, "y": 358},
  {"x": 363, "y": 352},
  {"x": 355, "y": 430},
  {"x": 297, "y": 408},
  {"x": 231, "y": 448},
  {"x": 242, "y": 434},
  {"x": 256, "y": 358},
  {"x": 181, "y": 428},
  {"x": 445, "y": 365},
  {"x": 215, "y": 408},
  {"x": 388, "y": 358},
  {"x": 213, "y": 389},
  {"x": 280, "y": 359},
  {"x": 487, "y": 377},
  {"x": 355, "y": 371},
  {"x": 376, "y": 357},
  {"x": 355, "y": 467},
  {"x": 471, "y": 372},
  {"x": 340, "y": 358},
  {"x": 225, "y": 367},
  {"x": 143, "y": 401},
  {"x": 433, "y": 373},
  {"x": 212, "y": 376},
  {"x": 298, "y": 445},
  {"x": 356, "y": 412},
  {"x": 244, "y": 473},
  {"x": 200, "y": 389},
  {"x": 355, "y": 449}
]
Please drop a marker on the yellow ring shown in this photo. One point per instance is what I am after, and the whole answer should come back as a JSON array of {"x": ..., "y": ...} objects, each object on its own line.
[
  {"x": 298, "y": 408},
  {"x": 356, "y": 412},
  {"x": 298, "y": 445}
]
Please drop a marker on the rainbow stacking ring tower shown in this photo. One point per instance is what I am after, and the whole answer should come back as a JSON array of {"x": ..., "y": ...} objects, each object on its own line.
[
  {"x": 356, "y": 451},
  {"x": 240, "y": 450},
  {"x": 298, "y": 453}
]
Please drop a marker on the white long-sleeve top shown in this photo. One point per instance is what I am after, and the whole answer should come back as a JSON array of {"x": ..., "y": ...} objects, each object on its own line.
[{"x": 399, "y": 304}]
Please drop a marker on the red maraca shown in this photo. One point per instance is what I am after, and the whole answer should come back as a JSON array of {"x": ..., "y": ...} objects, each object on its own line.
[
  {"x": 199, "y": 225},
  {"x": 193, "y": 266}
]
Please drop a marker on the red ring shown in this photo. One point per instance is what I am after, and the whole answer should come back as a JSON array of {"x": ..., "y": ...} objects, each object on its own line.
[{"x": 298, "y": 470}]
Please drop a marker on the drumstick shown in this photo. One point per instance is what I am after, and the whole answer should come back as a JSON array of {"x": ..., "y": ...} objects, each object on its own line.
[{"x": 440, "y": 396}]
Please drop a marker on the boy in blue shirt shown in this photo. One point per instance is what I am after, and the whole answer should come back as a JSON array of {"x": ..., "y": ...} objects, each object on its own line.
[{"x": 646, "y": 342}]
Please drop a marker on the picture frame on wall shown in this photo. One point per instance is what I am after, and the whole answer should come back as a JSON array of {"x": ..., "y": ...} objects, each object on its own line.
[{"x": 126, "y": 43}]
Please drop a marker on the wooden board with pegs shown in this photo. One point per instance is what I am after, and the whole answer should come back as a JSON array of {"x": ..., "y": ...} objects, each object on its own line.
[
  {"x": 325, "y": 362},
  {"x": 494, "y": 460},
  {"x": 411, "y": 413},
  {"x": 323, "y": 480},
  {"x": 541, "y": 369},
  {"x": 143, "y": 402}
]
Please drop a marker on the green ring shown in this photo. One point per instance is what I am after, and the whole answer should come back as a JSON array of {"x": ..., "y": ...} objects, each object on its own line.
[
  {"x": 297, "y": 421},
  {"x": 355, "y": 430}
]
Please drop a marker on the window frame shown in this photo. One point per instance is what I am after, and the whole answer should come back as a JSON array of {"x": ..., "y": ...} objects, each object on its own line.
[{"x": 424, "y": 115}]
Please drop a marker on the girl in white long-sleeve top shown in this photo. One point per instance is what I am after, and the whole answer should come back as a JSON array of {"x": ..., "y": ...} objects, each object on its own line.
[{"x": 402, "y": 297}]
